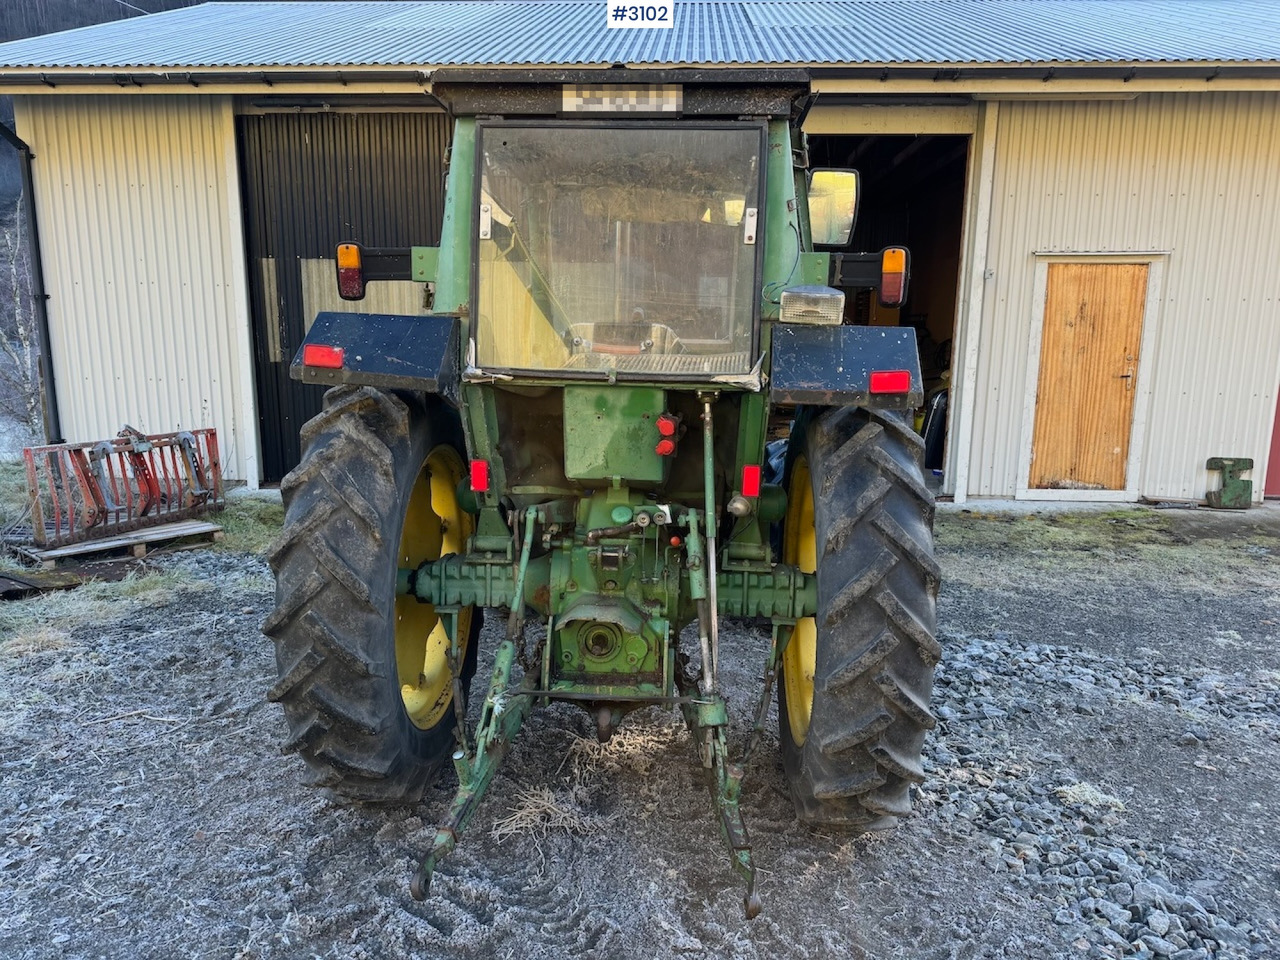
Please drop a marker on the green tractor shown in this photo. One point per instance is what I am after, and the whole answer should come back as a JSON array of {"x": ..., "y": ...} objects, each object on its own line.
[{"x": 639, "y": 284}]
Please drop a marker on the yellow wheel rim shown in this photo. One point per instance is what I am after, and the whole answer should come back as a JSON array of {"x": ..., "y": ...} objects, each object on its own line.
[
  {"x": 800, "y": 548},
  {"x": 435, "y": 525}
]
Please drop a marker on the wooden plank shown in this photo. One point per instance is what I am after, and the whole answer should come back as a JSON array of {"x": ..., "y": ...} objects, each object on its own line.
[
  {"x": 14, "y": 587},
  {"x": 1088, "y": 375},
  {"x": 131, "y": 540}
]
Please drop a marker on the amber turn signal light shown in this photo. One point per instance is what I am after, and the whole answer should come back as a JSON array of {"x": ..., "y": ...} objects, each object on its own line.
[
  {"x": 350, "y": 272},
  {"x": 893, "y": 276}
]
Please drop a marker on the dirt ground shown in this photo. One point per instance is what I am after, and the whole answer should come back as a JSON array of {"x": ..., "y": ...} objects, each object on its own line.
[{"x": 1103, "y": 781}]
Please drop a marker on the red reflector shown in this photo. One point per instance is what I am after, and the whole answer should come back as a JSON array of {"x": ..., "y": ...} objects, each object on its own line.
[
  {"x": 666, "y": 425},
  {"x": 890, "y": 381},
  {"x": 480, "y": 476},
  {"x": 351, "y": 283},
  {"x": 891, "y": 285},
  {"x": 319, "y": 355},
  {"x": 665, "y": 448},
  {"x": 751, "y": 480}
]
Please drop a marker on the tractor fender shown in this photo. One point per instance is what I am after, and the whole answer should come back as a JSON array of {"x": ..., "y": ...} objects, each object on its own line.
[
  {"x": 831, "y": 366},
  {"x": 381, "y": 350}
]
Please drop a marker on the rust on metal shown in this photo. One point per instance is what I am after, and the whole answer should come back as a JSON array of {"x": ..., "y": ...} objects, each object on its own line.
[{"x": 84, "y": 491}]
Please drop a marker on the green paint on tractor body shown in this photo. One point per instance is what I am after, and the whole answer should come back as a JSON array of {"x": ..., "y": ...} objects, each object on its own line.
[
  {"x": 569, "y": 423},
  {"x": 612, "y": 289},
  {"x": 610, "y": 433},
  {"x": 617, "y": 603}
]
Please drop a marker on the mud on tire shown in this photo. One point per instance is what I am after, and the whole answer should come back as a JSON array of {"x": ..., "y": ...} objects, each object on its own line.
[
  {"x": 334, "y": 624},
  {"x": 875, "y": 651}
]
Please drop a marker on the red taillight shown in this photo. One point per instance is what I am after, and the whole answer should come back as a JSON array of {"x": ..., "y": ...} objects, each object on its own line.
[
  {"x": 666, "y": 425},
  {"x": 350, "y": 272},
  {"x": 890, "y": 381},
  {"x": 893, "y": 276},
  {"x": 320, "y": 355},
  {"x": 480, "y": 476},
  {"x": 751, "y": 480},
  {"x": 665, "y": 448}
]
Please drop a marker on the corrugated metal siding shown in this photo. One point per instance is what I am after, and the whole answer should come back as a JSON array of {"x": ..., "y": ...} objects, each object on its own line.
[
  {"x": 1193, "y": 175},
  {"x": 133, "y": 199},
  {"x": 716, "y": 31}
]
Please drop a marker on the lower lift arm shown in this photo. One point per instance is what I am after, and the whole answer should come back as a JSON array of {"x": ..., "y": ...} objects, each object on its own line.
[{"x": 781, "y": 594}]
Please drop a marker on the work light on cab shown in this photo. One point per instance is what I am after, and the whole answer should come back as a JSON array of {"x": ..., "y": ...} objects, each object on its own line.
[
  {"x": 350, "y": 272},
  {"x": 812, "y": 304}
]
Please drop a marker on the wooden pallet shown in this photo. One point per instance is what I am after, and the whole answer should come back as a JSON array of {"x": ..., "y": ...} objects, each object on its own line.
[{"x": 135, "y": 541}]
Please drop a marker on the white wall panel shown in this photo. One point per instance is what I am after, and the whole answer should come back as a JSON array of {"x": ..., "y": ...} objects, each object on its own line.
[
  {"x": 1193, "y": 176},
  {"x": 139, "y": 218}
]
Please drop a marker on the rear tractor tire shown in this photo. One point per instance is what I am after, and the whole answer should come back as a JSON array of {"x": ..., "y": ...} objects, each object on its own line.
[
  {"x": 363, "y": 674},
  {"x": 853, "y": 701}
]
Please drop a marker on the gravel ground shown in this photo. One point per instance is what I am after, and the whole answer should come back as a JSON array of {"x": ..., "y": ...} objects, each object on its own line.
[{"x": 1103, "y": 782}]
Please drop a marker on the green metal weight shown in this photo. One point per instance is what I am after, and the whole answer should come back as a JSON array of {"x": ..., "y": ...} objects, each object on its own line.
[{"x": 1235, "y": 493}]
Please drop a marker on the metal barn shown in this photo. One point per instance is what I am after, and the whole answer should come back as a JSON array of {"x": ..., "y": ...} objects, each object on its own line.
[{"x": 1088, "y": 188}]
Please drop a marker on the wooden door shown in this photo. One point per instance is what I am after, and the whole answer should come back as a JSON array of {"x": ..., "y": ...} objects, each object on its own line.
[{"x": 1088, "y": 375}]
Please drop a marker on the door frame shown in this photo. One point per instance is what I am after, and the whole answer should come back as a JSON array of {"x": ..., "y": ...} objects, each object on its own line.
[
  {"x": 1156, "y": 262},
  {"x": 977, "y": 121}
]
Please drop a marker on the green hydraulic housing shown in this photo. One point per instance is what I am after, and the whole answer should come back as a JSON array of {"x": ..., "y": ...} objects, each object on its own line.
[{"x": 615, "y": 586}]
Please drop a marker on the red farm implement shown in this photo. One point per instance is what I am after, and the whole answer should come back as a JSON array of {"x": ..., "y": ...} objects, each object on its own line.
[{"x": 88, "y": 491}]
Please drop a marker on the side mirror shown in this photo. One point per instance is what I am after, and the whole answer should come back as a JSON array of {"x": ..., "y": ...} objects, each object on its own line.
[{"x": 833, "y": 206}]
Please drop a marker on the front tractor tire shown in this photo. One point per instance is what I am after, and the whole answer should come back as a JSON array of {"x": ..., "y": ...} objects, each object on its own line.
[
  {"x": 363, "y": 674},
  {"x": 853, "y": 701}
]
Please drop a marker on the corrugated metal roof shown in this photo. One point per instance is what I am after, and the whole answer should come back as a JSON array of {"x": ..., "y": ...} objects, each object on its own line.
[{"x": 573, "y": 32}]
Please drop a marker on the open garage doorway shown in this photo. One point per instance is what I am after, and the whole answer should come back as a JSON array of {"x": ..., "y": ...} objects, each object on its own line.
[{"x": 913, "y": 194}]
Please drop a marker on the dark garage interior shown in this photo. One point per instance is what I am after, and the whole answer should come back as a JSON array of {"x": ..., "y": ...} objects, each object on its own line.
[{"x": 913, "y": 190}]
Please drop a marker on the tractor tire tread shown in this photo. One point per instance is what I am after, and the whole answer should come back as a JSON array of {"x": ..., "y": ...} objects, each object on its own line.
[
  {"x": 877, "y": 591},
  {"x": 851, "y": 594},
  {"x": 901, "y": 427},
  {"x": 335, "y": 574},
  {"x": 844, "y": 526},
  {"x": 858, "y": 732},
  {"x": 294, "y": 604},
  {"x": 911, "y": 626},
  {"x": 844, "y": 788},
  {"x": 850, "y": 671},
  {"x": 299, "y": 672},
  {"x": 889, "y": 801}
]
